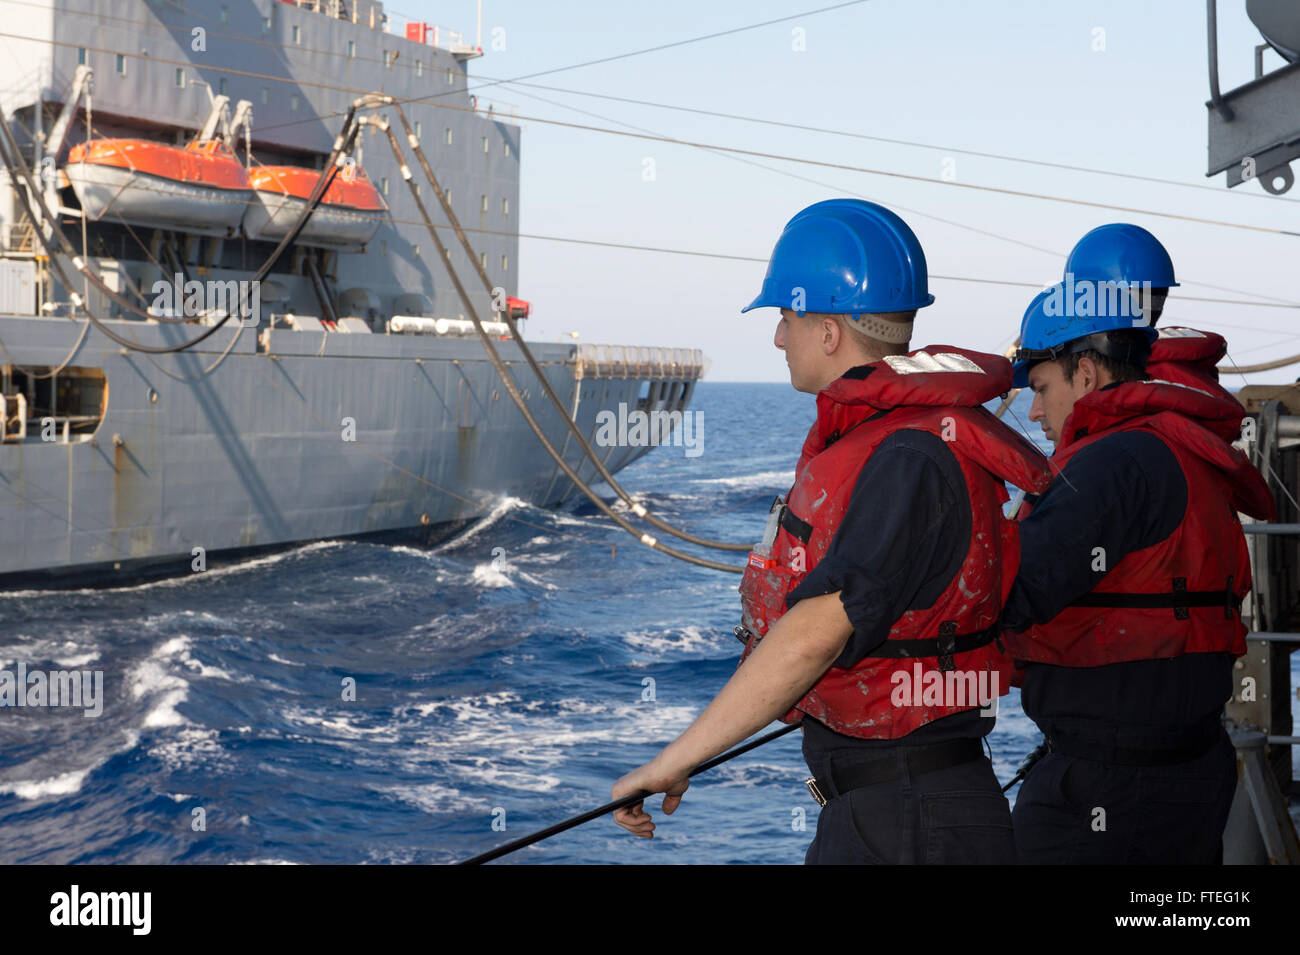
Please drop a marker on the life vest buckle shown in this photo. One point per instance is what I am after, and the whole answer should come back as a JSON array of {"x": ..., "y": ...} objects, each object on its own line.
[
  {"x": 811, "y": 783},
  {"x": 1181, "y": 611},
  {"x": 947, "y": 642}
]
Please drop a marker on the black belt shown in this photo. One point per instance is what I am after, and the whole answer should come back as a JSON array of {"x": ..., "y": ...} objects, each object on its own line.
[
  {"x": 883, "y": 768},
  {"x": 1130, "y": 756}
]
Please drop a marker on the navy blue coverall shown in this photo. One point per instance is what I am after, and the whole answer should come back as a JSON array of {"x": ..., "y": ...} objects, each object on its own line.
[
  {"x": 902, "y": 540},
  {"x": 1091, "y": 800}
]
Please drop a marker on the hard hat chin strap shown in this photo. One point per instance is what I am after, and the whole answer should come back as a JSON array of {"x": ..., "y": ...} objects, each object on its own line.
[
  {"x": 1130, "y": 352},
  {"x": 895, "y": 333}
]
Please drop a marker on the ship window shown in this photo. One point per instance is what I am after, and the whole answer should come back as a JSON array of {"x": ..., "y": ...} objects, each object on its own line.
[
  {"x": 225, "y": 13},
  {"x": 482, "y": 258},
  {"x": 66, "y": 404},
  {"x": 485, "y": 145},
  {"x": 419, "y": 67},
  {"x": 383, "y": 185},
  {"x": 446, "y": 135},
  {"x": 121, "y": 65},
  {"x": 266, "y": 96},
  {"x": 482, "y": 203},
  {"x": 383, "y": 247},
  {"x": 221, "y": 86},
  {"x": 266, "y": 24},
  {"x": 417, "y": 129},
  {"x": 297, "y": 33},
  {"x": 450, "y": 78},
  {"x": 352, "y": 49},
  {"x": 180, "y": 78},
  {"x": 507, "y": 148},
  {"x": 293, "y": 102},
  {"x": 447, "y": 194},
  {"x": 81, "y": 56},
  {"x": 415, "y": 250},
  {"x": 505, "y": 264},
  {"x": 505, "y": 208}
]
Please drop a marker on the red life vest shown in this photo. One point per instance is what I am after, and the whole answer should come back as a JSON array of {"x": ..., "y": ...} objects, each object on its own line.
[
  {"x": 1183, "y": 594},
  {"x": 938, "y": 389},
  {"x": 1188, "y": 356}
]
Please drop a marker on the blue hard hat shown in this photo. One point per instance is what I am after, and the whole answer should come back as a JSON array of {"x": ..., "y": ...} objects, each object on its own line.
[
  {"x": 848, "y": 256},
  {"x": 1073, "y": 317},
  {"x": 1120, "y": 252}
]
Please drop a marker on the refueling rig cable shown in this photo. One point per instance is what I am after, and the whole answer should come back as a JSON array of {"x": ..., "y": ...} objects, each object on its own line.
[
  {"x": 507, "y": 380},
  {"x": 637, "y": 509}
]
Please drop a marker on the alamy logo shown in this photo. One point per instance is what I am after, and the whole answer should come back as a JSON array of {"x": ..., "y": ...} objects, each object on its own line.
[
  {"x": 82, "y": 688},
  {"x": 103, "y": 908},
  {"x": 238, "y": 299},
  {"x": 642, "y": 429},
  {"x": 964, "y": 688},
  {"x": 1089, "y": 299}
]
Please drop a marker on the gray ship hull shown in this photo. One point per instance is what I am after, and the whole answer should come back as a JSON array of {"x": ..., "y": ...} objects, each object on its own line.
[{"x": 319, "y": 435}]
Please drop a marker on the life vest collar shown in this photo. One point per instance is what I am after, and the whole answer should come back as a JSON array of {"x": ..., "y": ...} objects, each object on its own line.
[
  {"x": 1197, "y": 422},
  {"x": 1188, "y": 345},
  {"x": 933, "y": 376},
  {"x": 1107, "y": 407}
]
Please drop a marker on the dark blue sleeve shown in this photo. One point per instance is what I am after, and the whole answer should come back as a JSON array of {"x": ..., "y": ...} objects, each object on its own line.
[
  {"x": 902, "y": 539},
  {"x": 1122, "y": 493}
]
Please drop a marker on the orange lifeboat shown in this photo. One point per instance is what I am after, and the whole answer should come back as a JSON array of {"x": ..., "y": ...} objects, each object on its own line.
[
  {"x": 347, "y": 216},
  {"x": 199, "y": 188}
]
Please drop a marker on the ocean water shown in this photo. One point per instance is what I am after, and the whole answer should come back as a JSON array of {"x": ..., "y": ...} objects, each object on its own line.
[{"x": 501, "y": 678}]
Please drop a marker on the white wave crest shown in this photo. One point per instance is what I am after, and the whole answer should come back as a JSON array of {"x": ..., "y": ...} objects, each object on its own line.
[
  {"x": 487, "y": 575},
  {"x": 685, "y": 640},
  {"x": 434, "y": 799},
  {"x": 503, "y": 507},
  {"x": 153, "y": 677},
  {"x": 777, "y": 480},
  {"x": 65, "y": 784},
  {"x": 61, "y": 785}
]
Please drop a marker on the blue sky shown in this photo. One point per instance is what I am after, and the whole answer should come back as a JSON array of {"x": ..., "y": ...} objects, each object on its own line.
[{"x": 1013, "y": 77}]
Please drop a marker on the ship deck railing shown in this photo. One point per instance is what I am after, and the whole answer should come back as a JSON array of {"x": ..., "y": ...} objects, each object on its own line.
[
  {"x": 639, "y": 361},
  {"x": 1273, "y": 528}
]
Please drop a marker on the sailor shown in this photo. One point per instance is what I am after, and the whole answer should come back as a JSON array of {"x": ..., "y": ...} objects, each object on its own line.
[
  {"x": 1126, "y": 607},
  {"x": 1120, "y": 252},
  {"x": 870, "y": 609}
]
